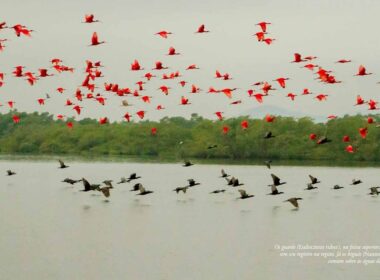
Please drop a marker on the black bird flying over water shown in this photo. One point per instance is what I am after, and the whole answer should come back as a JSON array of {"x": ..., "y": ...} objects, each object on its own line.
[
  {"x": 10, "y": 173},
  {"x": 274, "y": 191},
  {"x": 356, "y": 182},
  {"x": 143, "y": 191},
  {"x": 192, "y": 183},
  {"x": 310, "y": 187},
  {"x": 224, "y": 174},
  {"x": 276, "y": 180},
  {"x": 374, "y": 191},
  {"x": 314, "y": 180},
  {"x": 62, "y": 164},
  {"x": 244, "y": 194},
  {"x": 183, "y": 189},
  {"x": 70, "y": 181},
  {"x": 218, "y": 191},
  {"x": 133, "y": 176},
  {"x": 337, "y": 187}
]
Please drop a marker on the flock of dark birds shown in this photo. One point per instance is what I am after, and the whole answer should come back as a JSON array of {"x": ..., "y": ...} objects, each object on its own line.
[{"x": 230, "y": 180}]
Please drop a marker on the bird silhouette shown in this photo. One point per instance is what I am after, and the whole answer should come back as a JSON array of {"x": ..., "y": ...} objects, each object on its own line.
[
  {"x": 374, "y": 191},
  {"x": 294, "y": 201},
  {"x": 244, "y": 194},
  {"x": 218, "y": 191},
  {"x": 132, "y": 177},
  {"x": 187, "y": 163},
  {"x": 70, "y": 181},
  {"x": 62, "y": 164},
  {"x": 314, "y": 180},
  {"x": 276, "y": 180},
  {"x": 192, "y": 183},
  {"x": 183, "y": 189},
  {"x": 356, "y": 182},
  {"x": 274, "y": 191},
  {"x": 10, "y": 173},
  {"x": 143, "y": 191},
  {"x": 310, "y": 187},
  {"x": 224, "y": 174}
]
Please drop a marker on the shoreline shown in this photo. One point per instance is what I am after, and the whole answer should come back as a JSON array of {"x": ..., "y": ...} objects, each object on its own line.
[{"x": 214, "y": 161}]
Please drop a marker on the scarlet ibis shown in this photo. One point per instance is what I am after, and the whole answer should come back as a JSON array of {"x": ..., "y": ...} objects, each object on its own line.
[
  {"x": 89, "y": 19},
  {"x": 263, "y": 25},
  {"x": 95, "y": 40},
  {"x": 172, "y": 51},
  {"x": 163, "y": 33},
  {"x": 201, "y": 29},
  {"x": 362, "y": 71}
]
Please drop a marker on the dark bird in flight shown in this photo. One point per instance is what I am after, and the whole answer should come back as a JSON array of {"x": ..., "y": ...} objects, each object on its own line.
[
  {"x": 62, "y": 164},
  {"x": 143, "y": 191},
  {"x": 183, "y": 189},
  {"x": 187, "y": 163},
  {"x": 314, "y": 180},
  {"x": 337, "y": 187},
  {"x": 356, "y": 182},
  {"x": 294, "y": 201},
  {"x": 192, "y": 183},
  {"x": 71, "y": 181},
  {"x": 268, "y": 135},
  {"x": 374, "y": 191},
  {"x": 310, "y": 187},
  {"x": 234, "y": 182},
  {"x": 268, "y": 163},
  {"x": 244, "y": 194},
  {"x": 136, "y": 187},
  {"x": 10, "y": 173},
  {"x": 89, "y": 187},
  {"x": 276, "y": 180},
  {"x": 133, "y": 176},
  {"x": 218, "y": 191},
  {"x": 274, "y": 191},
  {"x": 224, "y": 174}
]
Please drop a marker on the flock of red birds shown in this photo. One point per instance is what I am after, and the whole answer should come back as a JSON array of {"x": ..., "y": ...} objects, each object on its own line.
[{"x": 259, "y": 91}]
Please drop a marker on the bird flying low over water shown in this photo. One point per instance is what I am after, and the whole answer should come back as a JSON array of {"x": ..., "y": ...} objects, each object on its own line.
[
  {"x": 132, "y": 177},
  {"x": 356, "y": 182},
  {"x": 276, "y": 180},
  {"x": 314, "y": 180},
  {"x": 89, "y": 187},
  {"x": 274, "y": 191},
  {"x": 244, "y": 194},
  {"x": 70, "y": 181},
  {"x": 374, "y": 191},
  {"x": 105, "y": 191},
  {"x": 294, "y": 201},
  {"x": 268, "y": 163},
  {"x": 310, "y": 187},
  {"x": 217, "y": 191},
  {"x": 337, "y": 187},
  {"x": 192, "y": 183},
  {"x": 183, "y": 189},
  {"x": 10, "y": 173},
  {"x": 224, "y": 174},
  {"x": 143, "y": 191},
  {"x": 62, "y": 164}
]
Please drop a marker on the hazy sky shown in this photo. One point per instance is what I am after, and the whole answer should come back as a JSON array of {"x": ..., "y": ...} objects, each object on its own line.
[{"x": 330, "y": 30}]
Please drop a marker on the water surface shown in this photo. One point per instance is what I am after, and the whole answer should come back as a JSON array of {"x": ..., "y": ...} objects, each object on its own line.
[{"x": 50, "y": 230}]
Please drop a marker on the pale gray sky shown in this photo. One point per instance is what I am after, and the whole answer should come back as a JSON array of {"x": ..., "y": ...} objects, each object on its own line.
[{"x": 330, "y": 30}]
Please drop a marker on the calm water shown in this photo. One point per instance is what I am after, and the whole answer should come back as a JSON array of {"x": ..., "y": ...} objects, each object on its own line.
[{"x": 50, "y": 230}]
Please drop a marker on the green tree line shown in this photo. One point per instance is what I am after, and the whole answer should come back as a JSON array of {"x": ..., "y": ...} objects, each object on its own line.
[{"x": 179, "y": 138}]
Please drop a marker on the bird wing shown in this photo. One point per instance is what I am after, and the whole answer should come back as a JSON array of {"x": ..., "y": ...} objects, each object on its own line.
[
  {"x": 274, "y": 189},
  {"x": 61, "y": 163},
  {"x": 141, "y": 188},
  {"x": 106, "y": 191},
  {"x": 294, "y": 202},
  {"x": 313, "y": 179},
  {"x": 276, "y": 180},
  {"x": 243, "y": 193}
]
